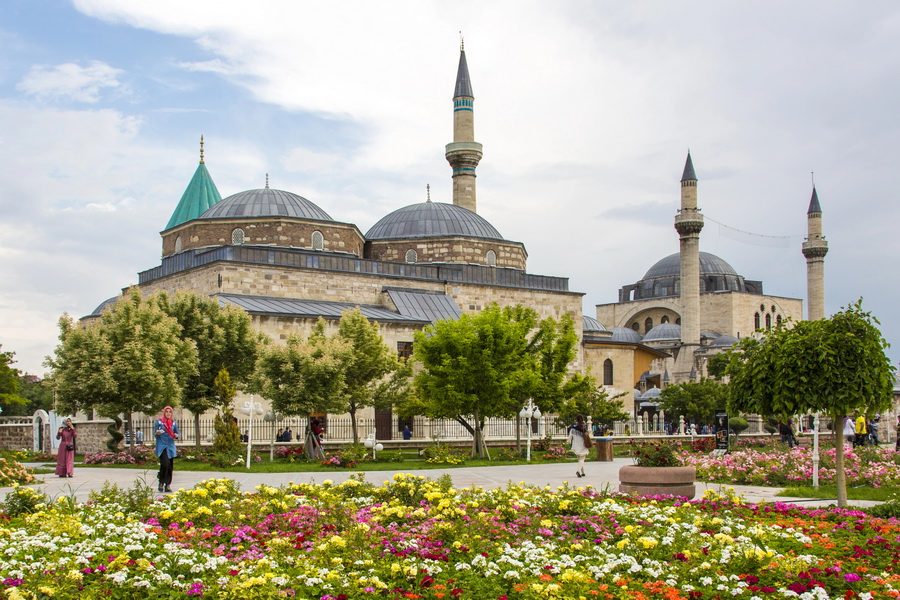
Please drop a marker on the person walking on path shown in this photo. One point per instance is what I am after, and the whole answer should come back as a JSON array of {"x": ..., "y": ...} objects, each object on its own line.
[
  {"x": 861, "y": 432},
  {"x": 577, "y": 445},
  {"x": 166, "y": 430},
  {"x": 65, "y": 459},
  {"x": 849, "y": 430}
]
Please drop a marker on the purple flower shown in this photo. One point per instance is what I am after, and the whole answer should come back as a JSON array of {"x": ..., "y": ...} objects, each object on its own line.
[{"x": 849, "y": 577}]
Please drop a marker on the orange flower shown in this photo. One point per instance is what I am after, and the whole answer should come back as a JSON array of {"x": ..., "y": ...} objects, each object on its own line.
[{"x": 545, "y": 577}]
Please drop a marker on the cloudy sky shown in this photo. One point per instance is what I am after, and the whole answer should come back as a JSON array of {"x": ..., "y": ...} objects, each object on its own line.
[{"x": 586, "y": 110}]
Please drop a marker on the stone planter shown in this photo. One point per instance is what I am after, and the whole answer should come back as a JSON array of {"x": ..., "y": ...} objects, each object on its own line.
[{"x": 658, "y": 481}]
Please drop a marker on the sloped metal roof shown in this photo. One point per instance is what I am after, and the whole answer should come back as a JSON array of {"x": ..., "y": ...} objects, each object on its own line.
[
  {"x": 463, "y": 82},
  {"x": 814, "y": 206},
  {"x": 425, "y": 306},
  {"x": 689, "y": 174},
  {"x": 294, "y": 307}
]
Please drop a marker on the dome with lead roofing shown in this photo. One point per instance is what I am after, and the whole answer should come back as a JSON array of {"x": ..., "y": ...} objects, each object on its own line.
[
  {"x": 266, "y": 202},
  {"x": 592, "y": 325},
  {"x": 432, "y": 219},
  {"x": 663, "y": 332},
  {"x": 625, "y": 334}
]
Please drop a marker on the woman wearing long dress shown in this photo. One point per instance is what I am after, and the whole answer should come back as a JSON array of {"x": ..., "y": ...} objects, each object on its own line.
[
  {"x": 576, "y": 439},
  {"x": 166, "y": 430},
  {"x": 65, "y": 459}
]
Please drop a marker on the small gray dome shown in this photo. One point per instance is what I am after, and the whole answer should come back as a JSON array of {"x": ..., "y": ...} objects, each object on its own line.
[
  {"x": 625, "y": 334},
  {"x": 724, "y": 341},
  {"x": 592, "y": 325},
  {"x": 103, "y": 306},
  {"x": 663, "y": 332},
  {"x": 432, "y": 219},
  {"x": 710, "y": 264},
  {"x": 651, "y": 394},
  {"x": 266, "y": 202}
]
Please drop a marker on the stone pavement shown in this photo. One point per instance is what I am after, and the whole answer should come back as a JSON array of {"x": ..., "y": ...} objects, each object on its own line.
[{"x": 600, "y": 475}]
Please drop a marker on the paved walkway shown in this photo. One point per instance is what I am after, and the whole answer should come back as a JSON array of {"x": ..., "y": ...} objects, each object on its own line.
[{"x": 601, "y": 475}]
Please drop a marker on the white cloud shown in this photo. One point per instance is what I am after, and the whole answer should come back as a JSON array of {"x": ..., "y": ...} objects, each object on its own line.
[{"x": 70, "y": 81}]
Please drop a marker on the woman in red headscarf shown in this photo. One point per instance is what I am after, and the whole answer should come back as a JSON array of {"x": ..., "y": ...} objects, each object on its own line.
[{"x": 166, "y": 430}]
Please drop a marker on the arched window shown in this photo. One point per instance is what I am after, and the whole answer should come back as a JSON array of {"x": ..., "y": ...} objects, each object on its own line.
[
  {"x": 756, "y": 321},
  {"x": 648, "y": 324},
  {"x": 664, "y": 319},
  {"x": 491, "y": 257},
  {"x": 778, "y": 319},
  {"x": 768, "y": 321},
  {"x": 411, "y": 256},
  {"x": 178, "y": 244},
  {"x": 678, "y": 321},
  {"x": 607, "y": 372},
  {"x": 237, "y": 236},
  {"x": 318, "y": 240}
]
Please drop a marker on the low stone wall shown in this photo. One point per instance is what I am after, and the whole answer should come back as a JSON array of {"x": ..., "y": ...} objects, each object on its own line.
[
  {"x": 92, "y": 435},
  {"x": 17, "y": 433}
]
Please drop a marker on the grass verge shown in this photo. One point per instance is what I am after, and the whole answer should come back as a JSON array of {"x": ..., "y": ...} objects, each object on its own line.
[{"x": 882, "y": 494}]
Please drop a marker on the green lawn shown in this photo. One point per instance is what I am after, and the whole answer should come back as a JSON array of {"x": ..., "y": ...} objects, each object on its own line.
[{"x": 882, "y": 494}]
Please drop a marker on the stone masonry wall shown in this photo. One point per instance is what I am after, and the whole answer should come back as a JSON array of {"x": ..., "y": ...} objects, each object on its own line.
[{"x": 449, "y": 250}]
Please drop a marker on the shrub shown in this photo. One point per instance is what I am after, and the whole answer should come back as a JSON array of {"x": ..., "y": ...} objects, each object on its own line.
[
  {"x": 348, "y": 456},
  {"x": 227, "y": 438},
  {"x": 703, "y": 445},
  {"x": 138, "y": 455},
  {"x": 655, "y": 454},
  {"x": 443, "y": 454},
  {"x": 134, "y": 500},
  {"x": 291, "y": 453},
  {"x": 556, "y": 453},
  {"x": 12, "y": 472},
  {"x": 24, "y": 501},
  {"x": 390, "y": 456},
  {"x": 738, "y": 424}
]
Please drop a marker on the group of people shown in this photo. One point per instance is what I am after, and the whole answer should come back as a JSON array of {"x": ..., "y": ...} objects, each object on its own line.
[
  {"x": 863, "y": 431},
  {"x": 284, "y": 435}
]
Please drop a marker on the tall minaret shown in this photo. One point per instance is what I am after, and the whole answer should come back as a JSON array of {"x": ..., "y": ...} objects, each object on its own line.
[
  {"x": 464, "y": 153},
  {"x": 688, "y": 223},
  {"x": 814, "y": 249}
]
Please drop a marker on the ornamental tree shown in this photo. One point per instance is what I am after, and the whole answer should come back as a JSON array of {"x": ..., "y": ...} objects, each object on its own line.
[
  {"x": 696, "y": 401},
  {"x": 10, "y": 383},
  {"x": 833, "y": 366},
  {"x": 224, "y": 338},
  {"x": 133, "y": 359}
]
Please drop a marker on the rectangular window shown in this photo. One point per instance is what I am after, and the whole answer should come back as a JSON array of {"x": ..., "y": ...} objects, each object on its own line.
[{"x": 404, "y": 350}]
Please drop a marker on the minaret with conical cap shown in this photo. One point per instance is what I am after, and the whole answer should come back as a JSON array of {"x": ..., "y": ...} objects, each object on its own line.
[
  {"x": 814, "y": 249},
  {"x": 688, "y": 224},
  {"x": 464, "y": 153}
]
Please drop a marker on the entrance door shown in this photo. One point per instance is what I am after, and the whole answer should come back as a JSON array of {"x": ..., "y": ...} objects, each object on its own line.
[{"x": 384, "y": 429}]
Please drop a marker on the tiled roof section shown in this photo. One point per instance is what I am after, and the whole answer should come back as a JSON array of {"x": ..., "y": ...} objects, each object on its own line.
[
  {"x": 814, "y": 203},
  {"x": 266, "y": 202},
  {"x": 200, "y": 195},
  {"x": 689, "y": 174},
  {"x": 425, "y": 306},
  {"x": 432, "y": 219},
  {"x": 295, "y": 307},
  {"x": 463, "y": 83}
]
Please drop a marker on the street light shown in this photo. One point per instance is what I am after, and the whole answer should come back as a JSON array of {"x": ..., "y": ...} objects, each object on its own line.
[
  {"x": 271, "y": 417},
  {"x": 815, "y": 452},
  {"x": 373, "y": 444},
  {"x": 250, "y": 408},
  {"x": 527, "y": 412}
]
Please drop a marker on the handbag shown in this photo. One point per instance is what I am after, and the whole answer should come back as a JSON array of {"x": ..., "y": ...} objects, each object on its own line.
[
  {"x": 588, "y": 442},
  {"x": 70, "y": 447}
]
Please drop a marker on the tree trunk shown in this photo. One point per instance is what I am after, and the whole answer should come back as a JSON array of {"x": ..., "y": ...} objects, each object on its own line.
[
  {"x": 518, "y": 435},
  {"x": 840, "y": 477},
  {"x": 353, "y": 425},
  {"x": 197, "y": 432},
  {"x": 131, "y": 429}
]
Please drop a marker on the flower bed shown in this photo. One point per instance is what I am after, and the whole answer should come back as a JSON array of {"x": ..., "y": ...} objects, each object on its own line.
[
  {"x": 416, "y": 538},
  {"x": 865, "y": 466},
  {"x": 138, "y": 455}
]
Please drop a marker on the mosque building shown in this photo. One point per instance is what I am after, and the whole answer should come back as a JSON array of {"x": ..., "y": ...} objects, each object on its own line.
[{"x": 287, "y": 262}]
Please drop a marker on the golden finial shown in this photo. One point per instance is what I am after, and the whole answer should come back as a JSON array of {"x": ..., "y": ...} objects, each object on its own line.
[
  {"x": 201, "y": 149},
  {"x": 462, "y": 42},
  {"x": 428, "y": 192},
  {"x": 267, "y": 181}
]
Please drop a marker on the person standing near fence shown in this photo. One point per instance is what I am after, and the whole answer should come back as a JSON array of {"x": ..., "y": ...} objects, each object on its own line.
[
  {"x": 166, "y": 431},
  {"x": 577, "y": 433},
  {"x": 65, "y": 458}
]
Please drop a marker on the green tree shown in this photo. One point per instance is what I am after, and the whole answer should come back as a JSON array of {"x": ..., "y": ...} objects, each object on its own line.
[
  {"x": 833, "y": 366},
  {"x": 596, "y": 403},
  {"x": 133, "y": 359},
  {"x": 486, "y": 365},
  {"x": 368, "y": 364},
  {"x": 37, "y": 392},
  {"x": 224, "y": 338},
  {"x": 227, "y": 437},
  {"x": 10, "y": 384},
  {"x": 303, "y": 377},
  {"x": 695, "y": 401}
]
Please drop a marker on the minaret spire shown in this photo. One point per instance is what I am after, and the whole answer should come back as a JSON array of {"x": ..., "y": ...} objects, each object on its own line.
[
  {"x": 814, "y": 249},
  {"x": 688, "y": 224},
  {"x": 201, "y": 150},
  {"x": 464, "y": 153}
]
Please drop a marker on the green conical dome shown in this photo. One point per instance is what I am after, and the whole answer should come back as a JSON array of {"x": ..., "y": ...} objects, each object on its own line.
[{"x": 201, "y": 194}]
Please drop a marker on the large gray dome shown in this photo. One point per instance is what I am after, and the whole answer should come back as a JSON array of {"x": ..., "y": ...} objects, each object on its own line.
[
  {"x": 592, "y": 325},
  {"x": 710, "y": 264},
  {"x": 432, "y": 219},
  {"x": 266, "y": 202},
  {"x": 663, "y": 332}
]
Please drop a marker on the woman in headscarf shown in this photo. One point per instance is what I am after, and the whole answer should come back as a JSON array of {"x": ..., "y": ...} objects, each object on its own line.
[
  {"x": 65, "y": 459},
  {"x": 166, "y": 430},
  {"x": 577, "y": 444}
]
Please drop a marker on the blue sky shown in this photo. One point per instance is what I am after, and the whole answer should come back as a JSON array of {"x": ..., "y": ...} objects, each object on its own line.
[{"x": 585, "y": 109}]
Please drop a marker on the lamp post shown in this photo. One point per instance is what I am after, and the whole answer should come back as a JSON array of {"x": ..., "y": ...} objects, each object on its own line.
[
  {"x": 250, "y": 408},
  {"x": 373, "y": 444},
  {"x": 271, "y": 417},
  {"x": 529, "y": 411},
  {"x": 815, "y": 451}
]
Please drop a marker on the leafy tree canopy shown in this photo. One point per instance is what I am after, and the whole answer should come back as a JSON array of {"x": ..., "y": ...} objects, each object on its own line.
[
  {"x": 9, "y": 383},
  {"x": 697, "y": 401},
  {"x": 596, "y": 403}
]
